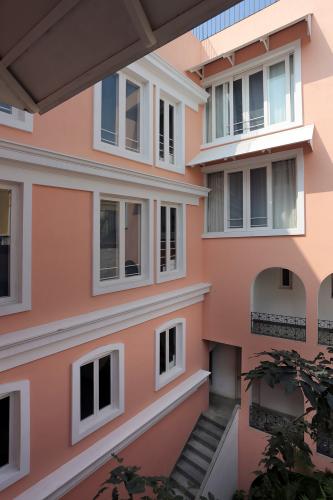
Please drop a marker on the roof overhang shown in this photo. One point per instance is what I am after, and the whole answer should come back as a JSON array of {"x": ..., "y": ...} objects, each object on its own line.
[
  {"x": 264, "y": 143},
  {"x": 262, "y": 38},
  {"x": 53, "y": 49}
]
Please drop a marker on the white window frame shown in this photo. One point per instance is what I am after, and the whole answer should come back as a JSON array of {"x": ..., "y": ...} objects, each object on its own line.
[
  {"x": 123, "y": 283},
  {"x": 144, "y": 155},
  {"x": 246, "y": 166},
  {"x": 18, "y": 119},
  {"x": 180, "y": 271},
  {"x": 244, "y": 70},
  {"x": 19, "y": 432},
  {"x": 179, "y": 368},
  {"x": 179, "y": 133},
  {"x": 20, "y": 248},
  {"x": 81, "y": 429}
]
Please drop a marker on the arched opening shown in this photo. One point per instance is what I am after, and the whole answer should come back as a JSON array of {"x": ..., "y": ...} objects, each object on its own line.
[{"x": 278, "y": 304}]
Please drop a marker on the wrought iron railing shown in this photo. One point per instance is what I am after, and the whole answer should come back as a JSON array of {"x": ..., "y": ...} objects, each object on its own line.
[
  {"x": 265, "y": 419},
  {"x": 278, "y": 325},
  {"x": 325, "y": 445},
  {"x": 325, "y": 332}
]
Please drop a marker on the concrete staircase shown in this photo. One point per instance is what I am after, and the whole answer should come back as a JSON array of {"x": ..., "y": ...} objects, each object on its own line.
[{"x": 195, "y": 459}]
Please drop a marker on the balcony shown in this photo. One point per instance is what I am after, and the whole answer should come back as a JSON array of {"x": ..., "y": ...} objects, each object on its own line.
[
  {"x": 265, "y": 419},
  {"x": 325, "y": 312},
  {"x": 278, "y": 325},
  {"x": 278, "y": 305}
]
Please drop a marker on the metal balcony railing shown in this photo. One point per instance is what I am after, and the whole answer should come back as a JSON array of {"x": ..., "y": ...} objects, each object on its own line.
[
  {"x": 265, "y": 419},
  {"x": 325, "y": 445},
  {"x": 325, "y": 332},
  {"x": 278, "y": 325}
]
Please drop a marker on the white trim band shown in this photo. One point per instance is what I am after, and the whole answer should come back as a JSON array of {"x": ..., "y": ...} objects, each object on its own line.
[
  {"x": 66, "y": 477},
  {"x": 24, "y": 346}
]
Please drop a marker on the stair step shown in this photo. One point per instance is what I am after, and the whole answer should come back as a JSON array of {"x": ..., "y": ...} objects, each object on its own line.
[
  {"x": 205, "y": 438},
  {"x": 195, "y": 458},
  {"x": 201, "y": 449},
  {"x": 193, "y": 475},
  {"x": 211, "y": 429},
  {"x": 218, "y": 422},
  {"x": 183, "y": 485}
]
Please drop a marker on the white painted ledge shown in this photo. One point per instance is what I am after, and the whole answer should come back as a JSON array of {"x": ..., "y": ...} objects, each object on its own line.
[
  {"x": 254, "y": 145},
  {"x": 69, "y": 475},
  {"x": 24, "y": 346}
]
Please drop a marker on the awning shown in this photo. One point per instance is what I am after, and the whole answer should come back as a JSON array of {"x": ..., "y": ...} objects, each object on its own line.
[
  {"x": 53, "y": 49},
  {"x": 255, "y": 145}
]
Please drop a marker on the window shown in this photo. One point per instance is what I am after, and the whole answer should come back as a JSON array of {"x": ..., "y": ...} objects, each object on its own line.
[
  {"x": 15, "y": 222},
  {"x": 171, "y": 241},
  {"x": 261, "y": 197},
  {"x": 122, "y": 231},
  {"x": 248, "y": 99},
  {"x": 14, "y": 432},
  {"x": 98, "y": 389},
  {"x": 16, "y": 118},
  {"x": 286, "y": 278},
  {"x": 122, "y": 116},
  {"x": 170, "y": 147},
  {"x": 170, "y": 352}
]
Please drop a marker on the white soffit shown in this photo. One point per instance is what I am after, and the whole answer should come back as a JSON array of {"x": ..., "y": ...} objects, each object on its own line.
[
  {"x": 53, "y": 49},
  {"x": 255, "y": 145}
]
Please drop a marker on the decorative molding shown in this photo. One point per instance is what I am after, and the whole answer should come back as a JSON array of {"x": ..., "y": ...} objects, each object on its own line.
[
  {"x": 46, "y": 167},
  {"x": 69, "y": 475},
  {"x": 24, "y": 346}
]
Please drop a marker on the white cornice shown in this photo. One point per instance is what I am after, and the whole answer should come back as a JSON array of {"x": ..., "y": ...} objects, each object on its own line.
[
  {"x": 24, "y": 346},
  {"x": 69, "y": 475},
  {"x": 29, "y": 158}
]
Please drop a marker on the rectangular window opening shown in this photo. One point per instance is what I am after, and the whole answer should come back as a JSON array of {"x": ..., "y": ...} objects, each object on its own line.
[
  {"x": 132, "y": 140},
  {"x": 109, "y": 240},
  {"x": 87, "y": 390},
  {"x": 235, "y": 200},
  {"x": 110, "y": 110},
  {"x": 5, "y": 242},
  {"x": 132, "y": 239},
  {"x": 4, "y": 430},
  {"x": 286, "y": 278}
]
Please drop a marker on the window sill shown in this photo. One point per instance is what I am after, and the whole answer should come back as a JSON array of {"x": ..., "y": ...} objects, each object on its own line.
[
  {"x": 165, "y": 379},
  {"x": 178, "y": 169},
  {"x": 83, "y": 429},
  {"x": 116, "y": 286},
  {"x": 99, "y": 145},
  {"x": 8, "y": 307},
  {"x": 25, "y": 124},
  {"x": 250, "y": 234},
  {"x": 10, "y": 475},
  {"x": 169, "y": 276}
]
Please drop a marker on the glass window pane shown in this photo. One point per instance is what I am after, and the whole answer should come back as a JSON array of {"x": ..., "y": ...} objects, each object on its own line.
[
  {"x": 110, "y": 109},
  {"x": 258, "y": 188},
  {"x": 292, "y": 87},
  {"x": 5, "y": 214},
  {"x": 171, "y": 134},
  {"x": 132, "y": 116},
  {"x": 277, "y": 93},
  {"x": 235, "y": 199},
  {"x": 172, "y": 347},
  {"x": 256, "y": 91},
  {"x": 208, "y": 115},
  {"x": 132, "y": 239},
  {"x": 104, "y": 389},
  {"x": 162, "y": 352},
  {"x": 284, "y": 194},
  {"x": 109, "y": 240},
  {"x": 173, "y": 238},
  {"x": 238, "y": 106},
  {"x": 87, "y": 390},
  {"x": 6, "y": 108},
  {"x": 222, "y": 102},
  {"x": 4, "y": 430},
  {"x": 163, "y": 256},
  {"x": 215, "y": 210},
  {"x": 161, "y": 136}
]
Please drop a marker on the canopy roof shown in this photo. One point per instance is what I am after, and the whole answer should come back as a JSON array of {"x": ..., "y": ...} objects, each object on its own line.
[{"x": 53, "y": 49}]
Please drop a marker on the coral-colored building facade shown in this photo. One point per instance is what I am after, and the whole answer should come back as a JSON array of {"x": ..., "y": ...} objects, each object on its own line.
[{"x": 167, "y": 223}]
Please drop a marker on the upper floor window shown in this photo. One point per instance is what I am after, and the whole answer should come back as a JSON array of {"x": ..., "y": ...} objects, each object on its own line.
[
  {"x": 257, "y": 197},
  {"x": 15, "y": 222},
  {"x": 249, "y": 98},
  {"x": 170, "y": 352},
  {"x": 122, "y": 232},
  {"x": 171, "y": 241},
  {"x": 122, "y": 116},
  {"x": 16, "y": 118},
  {"x": 170, "y": 133},
  {"x": 98, "y": 389},
  {"x": 14, "y": 432}
]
